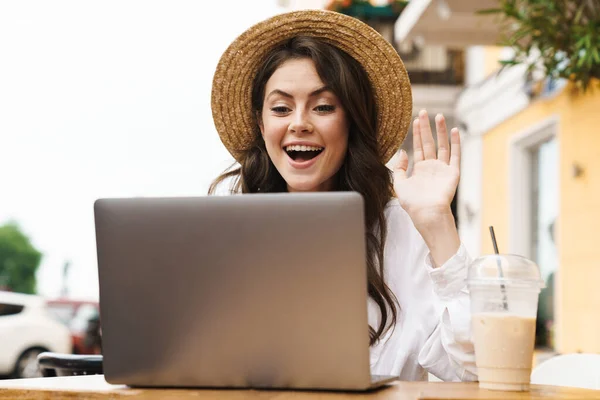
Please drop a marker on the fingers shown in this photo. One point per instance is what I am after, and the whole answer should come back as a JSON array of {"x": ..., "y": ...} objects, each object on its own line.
[
  {"x": 401, "y": 166},
  {"x": 417, "y": 145},
  {"x": 455, "y": 148},
  {"x": 442, "y": 138},
  {"x": 429, "y": 152},
  {"x": 424, "y": 144}
]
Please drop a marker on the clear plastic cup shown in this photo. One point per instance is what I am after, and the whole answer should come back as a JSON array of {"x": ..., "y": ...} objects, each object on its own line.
[{"x": 504, "y": 292}]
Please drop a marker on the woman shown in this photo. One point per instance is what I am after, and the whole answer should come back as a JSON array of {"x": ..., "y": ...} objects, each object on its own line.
[{"x": 318, "y": 101}]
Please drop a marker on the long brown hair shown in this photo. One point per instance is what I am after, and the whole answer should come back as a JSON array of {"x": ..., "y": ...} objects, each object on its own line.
[{"x": 363, "y": 170}]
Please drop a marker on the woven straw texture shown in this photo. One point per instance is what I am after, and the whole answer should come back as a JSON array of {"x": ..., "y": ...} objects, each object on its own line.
[{"x": 232, "y": 82}]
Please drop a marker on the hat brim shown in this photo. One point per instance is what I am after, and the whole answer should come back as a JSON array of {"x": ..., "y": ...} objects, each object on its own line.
[{"x": 232, "y": 82}]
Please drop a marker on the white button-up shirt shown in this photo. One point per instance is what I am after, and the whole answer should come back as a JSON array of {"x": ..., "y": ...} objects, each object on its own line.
[{"x": 432, "y": 331}]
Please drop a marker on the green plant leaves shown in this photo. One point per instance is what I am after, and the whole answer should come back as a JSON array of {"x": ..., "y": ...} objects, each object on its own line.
[{"x": 569, "y": 28}]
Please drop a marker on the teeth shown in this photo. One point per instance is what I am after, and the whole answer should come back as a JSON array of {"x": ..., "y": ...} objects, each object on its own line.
[{"x": 303, "y": 148}]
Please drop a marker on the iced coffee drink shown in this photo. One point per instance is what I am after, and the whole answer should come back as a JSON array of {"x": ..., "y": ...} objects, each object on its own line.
[
  {"x": 504, "y": 349},
  {"x": 504, "y": 293}
]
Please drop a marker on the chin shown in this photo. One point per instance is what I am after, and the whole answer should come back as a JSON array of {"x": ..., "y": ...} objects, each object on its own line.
[{"x": 303, "y": 185}]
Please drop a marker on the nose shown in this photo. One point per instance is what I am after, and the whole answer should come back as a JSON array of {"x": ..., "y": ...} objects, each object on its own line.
[{"x": 300, "y": 124}]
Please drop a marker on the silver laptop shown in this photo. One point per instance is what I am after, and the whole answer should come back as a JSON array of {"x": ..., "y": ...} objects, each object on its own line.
[{"x": 246, "y": 291}]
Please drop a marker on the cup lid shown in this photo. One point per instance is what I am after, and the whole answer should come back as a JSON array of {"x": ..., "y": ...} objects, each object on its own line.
[{"x": 504, "y": 268}]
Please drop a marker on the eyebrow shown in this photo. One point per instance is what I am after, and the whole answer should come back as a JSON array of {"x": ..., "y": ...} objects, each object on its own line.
[{"x": 311, "y": 94}]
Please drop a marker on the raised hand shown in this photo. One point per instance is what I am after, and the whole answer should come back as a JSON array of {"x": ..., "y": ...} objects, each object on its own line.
[{"x": 426, "y": 195}]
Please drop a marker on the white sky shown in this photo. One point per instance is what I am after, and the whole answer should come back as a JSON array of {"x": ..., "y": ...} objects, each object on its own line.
[{"x": 103, "y": 99}]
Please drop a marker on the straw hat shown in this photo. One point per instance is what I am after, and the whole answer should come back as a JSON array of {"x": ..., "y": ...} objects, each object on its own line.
[{"x": 232, "y": 82}]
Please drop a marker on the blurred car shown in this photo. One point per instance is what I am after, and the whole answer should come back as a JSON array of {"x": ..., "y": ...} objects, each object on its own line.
[
  {"x": 27, "y": 329},
  {"x": 85, "y": 330},
  {"x": 66, "y": 308},
  {"x": 82, "y": 319}
]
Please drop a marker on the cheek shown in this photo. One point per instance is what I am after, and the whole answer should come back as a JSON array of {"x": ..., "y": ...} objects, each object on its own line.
[
  {"x": 338, "y": 135},
  {"x": 273, "y": 132}
]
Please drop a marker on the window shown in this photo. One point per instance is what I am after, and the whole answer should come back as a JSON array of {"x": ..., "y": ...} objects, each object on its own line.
[
  {"x": 544, "y": 196},
  {"x": 534, "y": 197},
  {"x": 10, "y": 309}
]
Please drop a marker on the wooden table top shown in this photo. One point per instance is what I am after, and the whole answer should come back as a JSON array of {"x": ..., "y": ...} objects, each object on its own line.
[{"x": 95, "y": 387}]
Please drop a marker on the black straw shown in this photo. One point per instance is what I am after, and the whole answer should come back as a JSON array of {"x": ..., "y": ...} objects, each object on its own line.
[
  {"x": 494, "y": 240},
  {"x": 502, "y": 287}
]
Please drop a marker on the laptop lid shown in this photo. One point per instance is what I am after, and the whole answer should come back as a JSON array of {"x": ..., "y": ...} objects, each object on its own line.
[{"x": 261, "y": 290}]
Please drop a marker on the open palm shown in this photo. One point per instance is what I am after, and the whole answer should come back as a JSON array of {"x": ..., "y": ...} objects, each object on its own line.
[{"x": 431, "y": 186}]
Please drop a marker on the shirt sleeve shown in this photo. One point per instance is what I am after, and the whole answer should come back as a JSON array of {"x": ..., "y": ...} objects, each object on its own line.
[{"x": 449, "y": 353}]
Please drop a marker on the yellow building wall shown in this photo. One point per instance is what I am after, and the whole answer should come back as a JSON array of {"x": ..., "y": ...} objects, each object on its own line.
[
  {"x": 490, "y": 61},
  {"x": 577, "y": 287}
]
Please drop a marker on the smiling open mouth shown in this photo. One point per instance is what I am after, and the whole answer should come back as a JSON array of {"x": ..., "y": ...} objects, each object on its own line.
[{"x": 303, "y": 153}]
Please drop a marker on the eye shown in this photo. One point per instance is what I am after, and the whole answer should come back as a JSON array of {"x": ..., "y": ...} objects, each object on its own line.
[
  {"x": 280, "y": 109},
  {"x": 325, "y": 108}
]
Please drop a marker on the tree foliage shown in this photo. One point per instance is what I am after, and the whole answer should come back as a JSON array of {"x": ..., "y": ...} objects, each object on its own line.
[
  {"x": 19, "y": 260},
  {"x": 560, "y": 36}
]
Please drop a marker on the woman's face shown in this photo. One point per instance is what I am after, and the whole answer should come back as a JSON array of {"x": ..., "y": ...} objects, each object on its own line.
[{"x": 304, "y": 127}]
